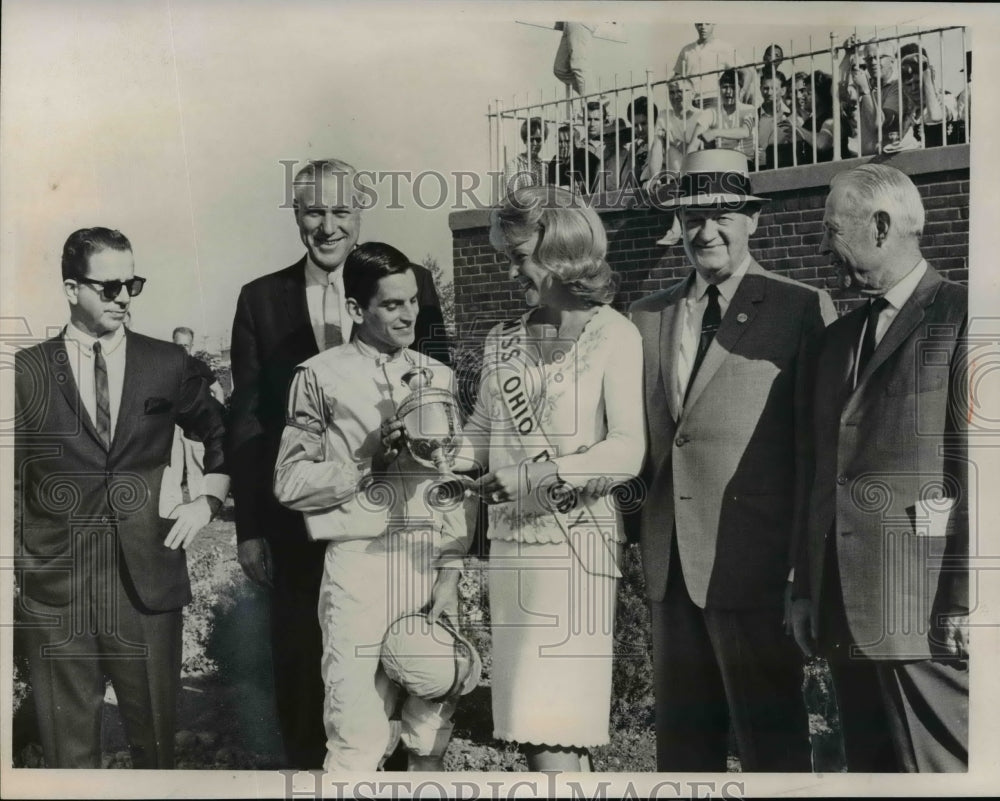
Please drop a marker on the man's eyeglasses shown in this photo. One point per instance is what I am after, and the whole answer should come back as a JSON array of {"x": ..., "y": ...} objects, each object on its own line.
[{"x": 112, "y": 289}]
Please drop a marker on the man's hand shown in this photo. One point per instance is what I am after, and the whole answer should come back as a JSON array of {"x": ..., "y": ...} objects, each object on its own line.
[
  {"x": 191, "y": 518},
  {"x": 392, "y": 439},
  {"x": 254, "y": 557},
  {"x": 802, "y": 626},
  {"x": 950, "y": 637},
  {"x": 444, "y": 594}
]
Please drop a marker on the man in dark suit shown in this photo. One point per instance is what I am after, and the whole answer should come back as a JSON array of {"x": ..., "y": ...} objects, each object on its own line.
[
  {"x": 728, "y": 353},
  {"x": 281, "y": 320},
  {"x": 103, "y": 577},
  {"x": 881, "y": 584}
]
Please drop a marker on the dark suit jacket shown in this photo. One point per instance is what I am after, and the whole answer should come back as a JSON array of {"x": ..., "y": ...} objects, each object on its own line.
[
  {"x": 67, "y": 482},
  {"x": 721, "y": 473},
  {"x": 272, "y": 335},
  {"x": 891, "y": 475}
]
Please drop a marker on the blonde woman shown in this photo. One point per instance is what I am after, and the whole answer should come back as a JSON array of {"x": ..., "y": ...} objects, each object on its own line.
[{"x": 558, "y": 423}]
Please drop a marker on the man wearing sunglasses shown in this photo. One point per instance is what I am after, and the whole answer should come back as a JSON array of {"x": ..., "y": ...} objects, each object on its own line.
[{"x": 103, "y": 578}]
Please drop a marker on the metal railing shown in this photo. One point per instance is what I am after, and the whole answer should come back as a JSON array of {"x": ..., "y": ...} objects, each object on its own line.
[{"x": 880, "y": 92}]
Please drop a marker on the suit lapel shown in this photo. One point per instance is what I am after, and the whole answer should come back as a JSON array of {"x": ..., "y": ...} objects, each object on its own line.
[
  {"x": 297, "y": 308},
  {"x": 137, "y": 365},
  {"x": 904, "y": 323},
  {"x": 738, "y": 318},
  {"x": 62, "y": 374},
  {"x": 670, "y": 321}
]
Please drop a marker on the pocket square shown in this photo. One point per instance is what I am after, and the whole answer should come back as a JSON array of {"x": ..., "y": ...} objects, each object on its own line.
[{"x": 157, "y": 405}]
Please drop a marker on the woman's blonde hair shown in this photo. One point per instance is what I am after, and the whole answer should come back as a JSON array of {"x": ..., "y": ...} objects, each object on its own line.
[{"x": 571, "y": 245}]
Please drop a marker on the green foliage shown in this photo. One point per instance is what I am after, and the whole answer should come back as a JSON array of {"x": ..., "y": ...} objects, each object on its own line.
[
  {"x": 446, "y": 291},
  {"x": 632, "y": 675}
]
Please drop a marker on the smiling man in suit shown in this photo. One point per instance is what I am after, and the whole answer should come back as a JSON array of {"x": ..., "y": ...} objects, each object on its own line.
[
  {"x": 728, "y": 355},
  {"x": 103, "y": 576},
  {"x": 882, "y": 583},
  {"x": 283, "y": 319}
]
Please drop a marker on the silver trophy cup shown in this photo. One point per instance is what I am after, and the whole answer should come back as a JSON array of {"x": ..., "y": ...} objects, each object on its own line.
[{"x": 430, "y": 419}]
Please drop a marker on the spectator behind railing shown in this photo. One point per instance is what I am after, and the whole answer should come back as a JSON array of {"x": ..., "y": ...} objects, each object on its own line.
[
  {"x": 677, "y": 133},
  {"x": 526, "y": 169},
  {"x": 709, "y": 55},
  {"x": 812, "y": 122},
  {"x": 607, "y": 143},
  {"x": 770, "y": 116},
  {"x": 773, "y": 57},
  {"x": 735, "y": 124},
  {"x": 565, "y": 170},
  {"x": 924, "y": 114},
  {"x": 637, "y": 159},
  {"x": 869, "y": 72}
]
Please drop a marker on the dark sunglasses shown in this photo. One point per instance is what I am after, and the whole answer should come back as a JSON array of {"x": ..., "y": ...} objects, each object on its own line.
[{"x": 112, "y": 289}]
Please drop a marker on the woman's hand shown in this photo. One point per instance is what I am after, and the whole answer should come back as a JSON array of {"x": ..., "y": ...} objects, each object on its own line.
[
  {"x": 515, "y": 482},
  {"x": 500, "y": 486}
]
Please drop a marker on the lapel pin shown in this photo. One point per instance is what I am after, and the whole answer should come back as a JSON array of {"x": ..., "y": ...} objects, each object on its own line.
[{"x": 742, "y": 317}]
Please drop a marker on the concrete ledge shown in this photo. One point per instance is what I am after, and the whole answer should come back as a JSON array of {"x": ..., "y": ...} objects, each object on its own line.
[{"x": 912, "y": 162}]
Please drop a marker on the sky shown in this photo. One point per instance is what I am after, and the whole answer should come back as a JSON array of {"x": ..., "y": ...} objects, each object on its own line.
[{"x": 175, "y": 122}]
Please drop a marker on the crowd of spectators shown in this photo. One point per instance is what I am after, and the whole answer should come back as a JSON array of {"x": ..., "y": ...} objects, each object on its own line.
[{"x": 778, "y": 113}]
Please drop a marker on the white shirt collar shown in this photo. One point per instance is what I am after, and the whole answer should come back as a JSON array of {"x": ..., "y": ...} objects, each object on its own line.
[
  {"x": 373, "y": 353},
  {"x": 904, "y": 287},
  {"x": 109, "y": 342},
  {"x": 316, "y": 276},
  {"x": 728, "y": 287}
]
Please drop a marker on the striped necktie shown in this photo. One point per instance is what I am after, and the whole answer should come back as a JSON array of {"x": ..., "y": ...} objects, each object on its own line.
[{"x": 103, "y": 397}]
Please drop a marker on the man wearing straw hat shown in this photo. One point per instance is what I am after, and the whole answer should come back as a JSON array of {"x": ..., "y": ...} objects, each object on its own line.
[{"x": 728, "y": 354}]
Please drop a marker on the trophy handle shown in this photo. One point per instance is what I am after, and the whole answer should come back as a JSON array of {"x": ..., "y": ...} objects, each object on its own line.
[{"x": 409, "y": 378}]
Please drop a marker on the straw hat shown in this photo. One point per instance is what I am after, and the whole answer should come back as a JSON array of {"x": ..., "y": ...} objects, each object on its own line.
[{"x": 713, "y": 177}]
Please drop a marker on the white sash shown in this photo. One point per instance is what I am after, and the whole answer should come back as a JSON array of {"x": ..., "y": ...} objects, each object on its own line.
[{"x": 593, "y": 544}]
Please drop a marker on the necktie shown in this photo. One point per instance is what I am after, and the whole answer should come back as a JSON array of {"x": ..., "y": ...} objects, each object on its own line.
[
  {"x": 331, "y": 315},
  {"x": 710, "y": 322},
  {"x": 875, "y": 308},
  {"x": 103, "y": 398}
]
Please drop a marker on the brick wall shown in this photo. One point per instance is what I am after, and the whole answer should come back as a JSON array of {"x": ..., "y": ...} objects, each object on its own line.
[{"x": 786, "y": 241}]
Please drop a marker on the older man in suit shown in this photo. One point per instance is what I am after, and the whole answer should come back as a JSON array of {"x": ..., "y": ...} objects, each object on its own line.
[
  {"x": 882, "y": 579},
  {"x": 103, "y": 576},
  {"x": 281, "y": 320},
  {"x": 729, "y": 352}
]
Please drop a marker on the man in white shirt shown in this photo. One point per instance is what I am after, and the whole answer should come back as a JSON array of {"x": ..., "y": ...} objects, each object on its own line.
[
  {"x": 728, "y": 352},
  {"x": 187, "y": 457},
  {"x": 282, "y": 319},
  {"x": 711, "y": 55},
  {"x": 103, "y": 576},
  {"x": 882, "y": 580},
  {"x": 391, "y": 551}
]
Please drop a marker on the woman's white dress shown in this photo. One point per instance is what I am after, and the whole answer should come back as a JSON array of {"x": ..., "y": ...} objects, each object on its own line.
[{"x": 553, "y": 578}]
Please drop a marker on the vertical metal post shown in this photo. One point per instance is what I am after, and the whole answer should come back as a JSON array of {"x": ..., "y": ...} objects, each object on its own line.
[
  {"x": 795, "y": 108},
  {"x": 837, "y": 111},
  {"x": 812, "y": 100}
]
